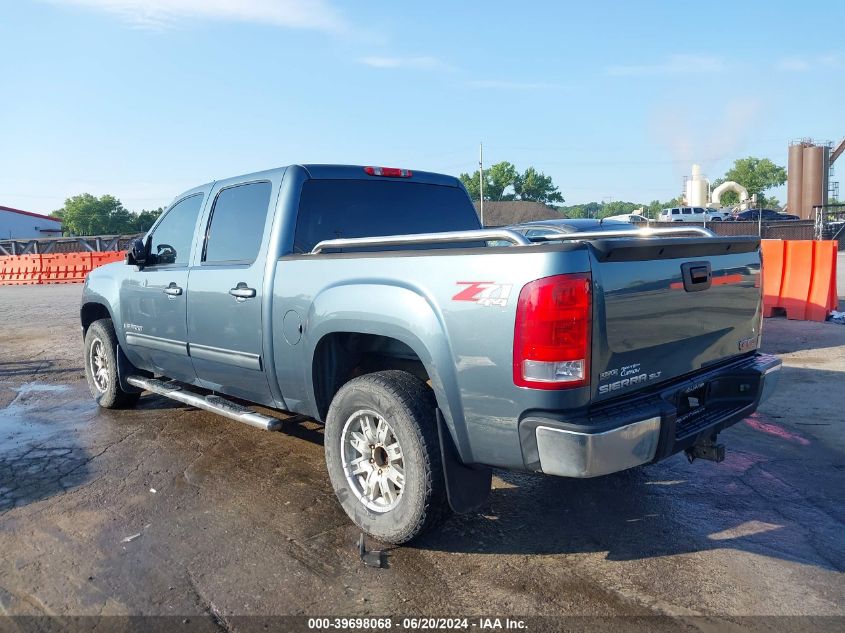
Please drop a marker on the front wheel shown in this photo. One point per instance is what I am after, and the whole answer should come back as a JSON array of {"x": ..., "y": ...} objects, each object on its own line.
[
  {"x": 383, "y": 455},
  {"x": 101, "y": 367}
]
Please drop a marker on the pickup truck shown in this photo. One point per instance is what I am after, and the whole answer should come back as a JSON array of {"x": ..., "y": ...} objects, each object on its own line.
[{"x": 433, "y": 350}]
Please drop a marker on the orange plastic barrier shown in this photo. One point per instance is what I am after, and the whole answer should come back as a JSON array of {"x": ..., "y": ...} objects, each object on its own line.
[
  {"x": 65, "y": 268},
  {"x": 799, "y": 277},
  {"x": 20, "y": 270},
  {"x": 55, "y": 268}
]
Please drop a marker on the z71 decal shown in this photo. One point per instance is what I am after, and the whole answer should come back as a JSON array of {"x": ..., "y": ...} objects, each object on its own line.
[{"x": 484, "y": 293}]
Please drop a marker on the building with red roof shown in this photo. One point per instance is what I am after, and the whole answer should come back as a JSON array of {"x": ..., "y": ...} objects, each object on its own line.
[{"x": 16, "y": 224}]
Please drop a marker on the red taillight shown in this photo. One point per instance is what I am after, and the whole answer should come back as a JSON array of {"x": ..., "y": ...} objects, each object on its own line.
[
  {"x": 551, "y": 341},
  {"x": 389, "y": 172}
]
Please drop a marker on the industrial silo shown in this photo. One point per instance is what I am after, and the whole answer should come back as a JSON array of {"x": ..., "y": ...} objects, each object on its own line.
[
  {"x": 697, "y": 189},
  {"x": 794, "y": 176},
  {"x": 815, "y": 160}
]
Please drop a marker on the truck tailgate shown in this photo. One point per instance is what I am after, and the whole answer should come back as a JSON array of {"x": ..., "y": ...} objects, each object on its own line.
[{"x": 666, "y": 308}]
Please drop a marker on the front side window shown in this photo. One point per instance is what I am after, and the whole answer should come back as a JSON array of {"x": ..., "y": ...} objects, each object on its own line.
[
  {"x": 171, "y": 239},
  {"x": 237, "y": 223}
]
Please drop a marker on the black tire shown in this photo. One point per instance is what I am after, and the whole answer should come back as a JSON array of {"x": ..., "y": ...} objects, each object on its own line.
[
  {"x": 106, "y": 388},
  {"x": 407, "y": 404}
]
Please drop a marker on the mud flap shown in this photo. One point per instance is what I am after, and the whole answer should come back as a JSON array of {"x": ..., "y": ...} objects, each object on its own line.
[
  {"x": 467, "y": 487},
  {"x": 126, "y": 369}
]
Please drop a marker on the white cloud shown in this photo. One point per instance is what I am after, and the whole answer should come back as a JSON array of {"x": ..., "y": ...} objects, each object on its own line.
[
  {"x": 675, "y": 65},
  {"x": 697, "y": 133},
  {"x": 793, "y": 64},
  {"x": 807, "y": 64},
  {"x": 316, "y": 15},
  {"x": 498, "y": 84},
  {"x": 423, "y": 62}
]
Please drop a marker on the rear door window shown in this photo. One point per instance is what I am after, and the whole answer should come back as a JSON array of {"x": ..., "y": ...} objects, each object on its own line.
[
  {"x": 237, "y": 223},
  {"x": 334, "y": 209}
]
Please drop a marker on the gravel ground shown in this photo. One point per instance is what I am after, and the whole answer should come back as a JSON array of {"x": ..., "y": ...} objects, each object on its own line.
[{"x": 167, "y": 510}]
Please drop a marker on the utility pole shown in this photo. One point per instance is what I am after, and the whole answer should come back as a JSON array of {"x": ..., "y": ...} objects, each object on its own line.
[{"x": 481, "y": 180}]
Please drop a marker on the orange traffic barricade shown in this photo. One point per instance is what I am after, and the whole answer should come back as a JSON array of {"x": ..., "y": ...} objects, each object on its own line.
[
  {"x": 65, "y": 268},
  {"x": 799, "y": 277},
  {"x": 18, "y": 270}
]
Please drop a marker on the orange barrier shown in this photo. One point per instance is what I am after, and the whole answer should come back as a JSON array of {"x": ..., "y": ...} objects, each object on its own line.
[
  {"x": 65, "y": 268},
  {"x": 20, "y": 270},
  {"x": 106, "y": 257},
  {"x": 55, "y": 268},
  {"x": 799, "y": 277}
]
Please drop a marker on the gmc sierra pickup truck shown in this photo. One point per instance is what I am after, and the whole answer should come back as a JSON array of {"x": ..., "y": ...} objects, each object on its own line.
[{"x": 372, "y": 300}]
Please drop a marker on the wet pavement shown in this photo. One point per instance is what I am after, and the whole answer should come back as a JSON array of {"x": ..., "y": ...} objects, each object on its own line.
[{"x": 168, "y": 510}]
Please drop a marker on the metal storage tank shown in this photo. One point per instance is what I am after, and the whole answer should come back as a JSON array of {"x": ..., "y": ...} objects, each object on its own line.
[
  {"x": 813, "y": 179},
  {"x": 794, "y": 177},
  {"x": 697, "y": 188}
]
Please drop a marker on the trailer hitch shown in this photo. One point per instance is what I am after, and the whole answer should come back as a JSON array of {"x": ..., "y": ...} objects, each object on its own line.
[{"x": 706, "y": 449}]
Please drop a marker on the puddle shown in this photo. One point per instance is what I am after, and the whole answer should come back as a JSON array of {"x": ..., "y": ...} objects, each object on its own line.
[
  {"x": 34, "y": 387},
  {"x": 40, "y": 411}
]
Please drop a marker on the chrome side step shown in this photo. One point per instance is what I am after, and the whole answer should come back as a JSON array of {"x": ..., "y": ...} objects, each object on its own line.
[{"x": 212, "y": 403}]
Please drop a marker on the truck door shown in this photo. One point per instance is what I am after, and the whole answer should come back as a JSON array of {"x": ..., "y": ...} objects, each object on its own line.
[
  {"x": 225, "y": 292},
  {"x": 153, "y": 299}
]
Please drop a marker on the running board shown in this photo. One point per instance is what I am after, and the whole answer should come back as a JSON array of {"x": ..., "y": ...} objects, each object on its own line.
[{"x": 212, "y": 403}]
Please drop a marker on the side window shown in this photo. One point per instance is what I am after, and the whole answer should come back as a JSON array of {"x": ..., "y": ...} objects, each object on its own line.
[
  {"x": 237, "y": 223},
  {"x": 171, "y": 239},
  {"x": 676, "y": 211},
  {"x": 687, "y": 211}
]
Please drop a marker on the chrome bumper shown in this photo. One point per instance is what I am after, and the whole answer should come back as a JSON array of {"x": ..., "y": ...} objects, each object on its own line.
[
  {"x": 574, "y": 454},
  {"x": 650, "y": 431}
]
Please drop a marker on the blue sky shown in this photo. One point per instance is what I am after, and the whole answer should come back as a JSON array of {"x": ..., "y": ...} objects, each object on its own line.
[{"x": 145, "y": 98}]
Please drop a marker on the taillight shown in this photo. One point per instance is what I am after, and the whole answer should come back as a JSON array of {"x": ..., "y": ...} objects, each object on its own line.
[
  {"x": 551, "y": 341},
  {"x": 389, "y": 172}
]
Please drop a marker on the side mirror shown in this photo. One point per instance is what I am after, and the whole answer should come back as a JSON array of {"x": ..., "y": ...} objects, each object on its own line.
[{"x": 137, "y": 254}]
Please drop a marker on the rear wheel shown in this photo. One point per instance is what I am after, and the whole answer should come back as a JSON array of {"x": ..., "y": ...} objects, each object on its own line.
[
  {"x": 101, "y": 367},
  {"x": 383, "y": 455}
]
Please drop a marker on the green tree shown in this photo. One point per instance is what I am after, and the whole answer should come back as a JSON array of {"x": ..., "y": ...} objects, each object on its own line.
[
  {"x": 145, "y": 219},
  {"x": 502, "y": 181},
  {"x": 535, "y": 185},
  {"x": 88, "y": 215},
  {"x": 497, "y": 179},
  {"x": 755, "y": 174}
]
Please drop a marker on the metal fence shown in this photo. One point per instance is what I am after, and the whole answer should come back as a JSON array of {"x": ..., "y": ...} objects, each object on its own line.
[
  {"x": 830, "y": 222},
  {"x": 788, "y": 230},
  {"x": 48, "y": 245}
]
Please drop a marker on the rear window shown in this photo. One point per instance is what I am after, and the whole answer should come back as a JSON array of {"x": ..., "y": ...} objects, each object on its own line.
[{"x": 332, "y": 209}]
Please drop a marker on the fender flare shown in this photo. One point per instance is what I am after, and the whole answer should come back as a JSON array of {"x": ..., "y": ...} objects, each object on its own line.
[{"x": 393, "y": 309}]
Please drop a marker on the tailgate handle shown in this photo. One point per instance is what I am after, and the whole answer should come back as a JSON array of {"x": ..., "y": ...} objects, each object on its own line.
[{"x": 697, "y": 276}]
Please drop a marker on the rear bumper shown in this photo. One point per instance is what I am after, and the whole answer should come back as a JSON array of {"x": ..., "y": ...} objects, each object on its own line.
[{"x": 648, "y": 427}]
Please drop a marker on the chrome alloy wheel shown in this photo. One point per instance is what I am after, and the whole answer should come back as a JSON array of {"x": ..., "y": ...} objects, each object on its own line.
[
  {"x": 99, "y": 363},
  {"x": 372, "y": 460}
]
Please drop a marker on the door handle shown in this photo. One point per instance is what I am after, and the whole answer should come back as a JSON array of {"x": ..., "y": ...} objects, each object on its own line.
[
  {"x": 173, "y": 290},
  {"x": 242, "y": 291}
]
